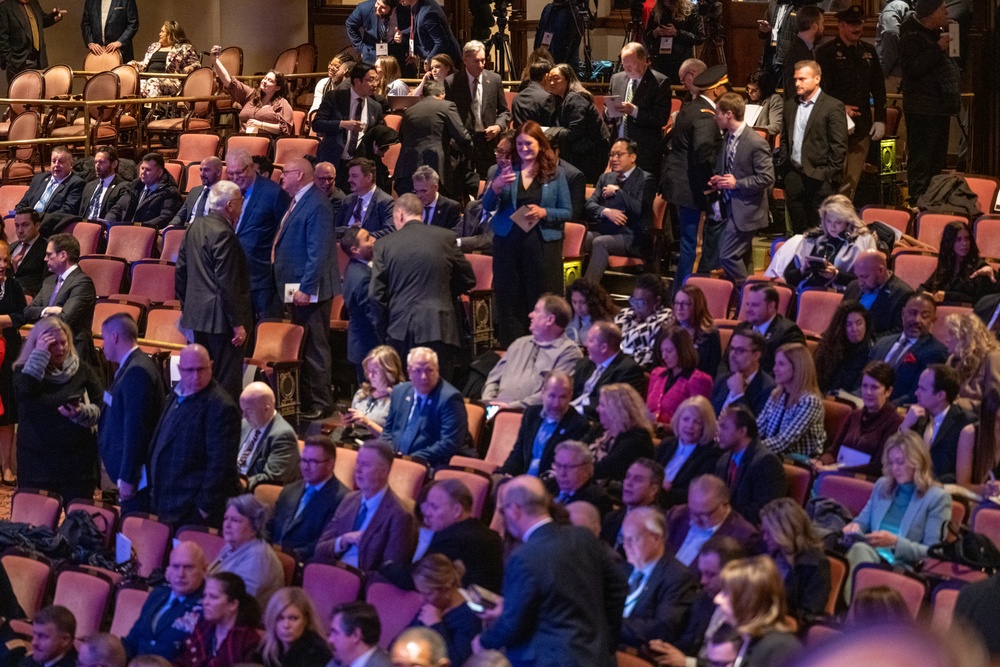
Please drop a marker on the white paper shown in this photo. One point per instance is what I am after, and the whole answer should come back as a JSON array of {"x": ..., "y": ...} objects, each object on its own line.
[
  {"x": 381, "y": 49},
  {"x": 123, "y": 549},
  {"x": 175, "y": 369},
  {"x": 292, "y": 288},
  {"x": 611, "y": 103},
  {"x": 849, "y": 457},
  {"x": 996, "y": 204},
  {"x": 850, "y": 125},
  {"x": 751, "y": 114},
  {"x": 666, "y": 45},
  {"x": 954, "y": 50},
  {"x": 547, "y": 39}
]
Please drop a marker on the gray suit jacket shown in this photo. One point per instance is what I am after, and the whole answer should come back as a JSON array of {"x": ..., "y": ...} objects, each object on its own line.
[
  {"x": 921, "y": 524},
  {"x": 753, "y": 168},
  {"x": 276, "y": 460}
]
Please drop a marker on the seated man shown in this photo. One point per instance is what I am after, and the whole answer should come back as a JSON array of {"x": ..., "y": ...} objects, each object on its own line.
[
  {"x": 880, "y": 291},
  {"x": 934, "y": 418},
  {"x": 100, "y": 194},
  {"x": 761, "y": 308},
  {"x": 196, "y": 204},
  {"x": 661, "y": 588},
  {"x": 745, "y": 384},
  {"x": 353, "y": 635},
  {"x": 604, "y": 364},
  {"x": 640, "y": 488},
  {"x": 475, "y": 229},
  {"x": 372, "y": 526},
  {"x": 439, "y": 210},
  {"x": 27, "y": 256},
  {"x": 57, "y": 190},
  {"x": 912, "y": 351},
  {"x": 269, "y": 448},
  {"x": 367, "y": 206},
  {"x": 750, "y": 470},
  {"x": 306, "y": 506},
  {"x": 621, "y": 208},
  {"x": 102, "y": 649},
  {"x": 170, "y": 612},
  {"x": 53, "y": 632},
  {"x": 543, "y": 427},
  {"x": 152, "y": 199},
  {"x": 516, "y": 380},
  {"x": 427, "y": 418},
  {"x": 574, "y": 478},
  {"x": 707, "y": 514}
]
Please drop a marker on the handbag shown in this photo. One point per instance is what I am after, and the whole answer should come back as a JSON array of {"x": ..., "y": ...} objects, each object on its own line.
[{"x": 969, "y": 549}]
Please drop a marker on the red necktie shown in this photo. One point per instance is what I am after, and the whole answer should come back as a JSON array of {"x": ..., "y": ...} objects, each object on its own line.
[
  {"x": 732, "y": 473},
  {"x": 21, "y": 252}
]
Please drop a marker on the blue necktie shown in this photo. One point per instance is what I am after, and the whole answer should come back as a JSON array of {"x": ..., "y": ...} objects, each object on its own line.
[
  {"x": 43, "y": 201},
  {"x": 306, "y": 497},
  {"x": 410, "y": 432},
  {"x": 359, "y": 520}
]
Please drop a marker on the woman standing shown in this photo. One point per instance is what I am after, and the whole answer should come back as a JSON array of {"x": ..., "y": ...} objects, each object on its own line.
[
  {"x": 792, "y": 419},
  {"x": 587, "y": 142},
  {"x": 227, "y": 633},
  {"x": 265, "y": 110},
  {"x": 673, "y": 30},
  {"x": 292, "y": 636},
  {"x": 11, "y": 301},
  {"x": 691, "y": 313},
  {"x": 531, "y": 201},
  {"x": 336, "y": 71},
  {"x": 172, "y": 54},
  {"x": 439, "y": 68},
  {"x": 760, "y": 91}
]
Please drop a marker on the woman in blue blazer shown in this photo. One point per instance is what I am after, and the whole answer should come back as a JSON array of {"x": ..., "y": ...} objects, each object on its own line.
[{"x": 526, "y": 265}]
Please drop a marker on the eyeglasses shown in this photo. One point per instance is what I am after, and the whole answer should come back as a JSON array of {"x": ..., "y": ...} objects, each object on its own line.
[
  {"x": 636, "y": 302},
  {"x": 501, "y": 153},
  {"x": 617, "y": 154},
  {"x": 567, "y": 466}
]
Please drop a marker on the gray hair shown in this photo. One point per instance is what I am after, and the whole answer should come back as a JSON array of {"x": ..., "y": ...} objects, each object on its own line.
[
  {"x": 650, "y": 518},
  {"x": 221, "y": 194},
  {"x": 473, "y": 46},
  {"x": 106, "y": 649},
  {"x": 431, "y": 639},
  {"x": 250, "y": 508},
  {"x": 581, "y": 450},
  {"x": 240, "y": 155},
  {"x": 426, "y": 174},
  {"x": 421, "y": 352}
]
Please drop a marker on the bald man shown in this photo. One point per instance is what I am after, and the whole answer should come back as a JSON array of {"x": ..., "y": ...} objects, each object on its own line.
[
  {"x": 269, "y": 448},
  {"x": 196, "y": 204},
  {"x": 325, "y": 178},
  {"x": 880, "y": 291},
  {"x": 307, "y": 278},
  {"x": 193, "y": 452}
]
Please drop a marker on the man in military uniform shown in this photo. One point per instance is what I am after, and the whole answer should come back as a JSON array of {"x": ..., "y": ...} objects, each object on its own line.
[{"x": 852, "y": 74}]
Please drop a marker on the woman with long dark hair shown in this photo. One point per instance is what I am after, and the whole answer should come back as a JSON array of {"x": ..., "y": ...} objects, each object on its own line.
[
  {"x": 171, "y": 53},
  {"x": 843, "y": 349},
  {"x": 961, "y": 274},
  {"x": 672, "y": 31},
  {"x": 979, "y": 445},
  {"x": 227, "y": 633},
  {"x": 586, "y": 144},
  {"x": 591, "y": 303},
  {"x": 265, "y": 109}
]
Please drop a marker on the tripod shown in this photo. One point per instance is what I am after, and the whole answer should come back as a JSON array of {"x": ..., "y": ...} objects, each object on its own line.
[
  {"x": 504, "y": 62},
  {"x": 584, "y": 22}
]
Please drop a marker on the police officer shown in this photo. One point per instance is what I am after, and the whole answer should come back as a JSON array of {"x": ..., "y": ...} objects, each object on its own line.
[{"x": 852, "y": 74}]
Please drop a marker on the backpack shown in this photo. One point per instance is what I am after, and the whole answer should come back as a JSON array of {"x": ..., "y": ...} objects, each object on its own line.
[
  {"x": 949, "y": 194},
  {"x": 970, "y": 549}
]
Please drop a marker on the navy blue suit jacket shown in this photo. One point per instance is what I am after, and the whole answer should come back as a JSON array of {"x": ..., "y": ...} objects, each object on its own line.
[
  {"x": 335, "y": 107},
  {"x": 262, "y": 214},
  {"x": 361, "y": 30},
  {"x": 121, "y": 26},
  {"x": 433, "y": 34},
  {"x": 443, "y": 423},
  {"x": 298, "y": 535},
  {"x": 754, "y": 397},
  {"x": 65, "y": 199},
  {"x": 129, "y": 418},
  {"x": 362, "y": 312},
  {"x": 634, "y": 197},
  {"x": 573, "y": 426},
  {"x": 927, "y": 350},
  {"x": 304, "y": 252},
  {"x": 168, "y": 638},
  {"x": 378, "y": 215},
  {"x": 661, "y": 611}
]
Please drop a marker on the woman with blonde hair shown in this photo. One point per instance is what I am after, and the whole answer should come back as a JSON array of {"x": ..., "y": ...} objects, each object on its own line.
[
  {"x": 790, "y": 539},
  {"x": 172, "y": 53},
  {"x": 974, "y": 353},
  {"x": 625, "y": 432},
  {"x": 389, "y": 82},
  {"x": 444, "y": 610},
  {"x": 752, "y": 598},
  {"x": 292, "y": 635},
  {"x": 792, "y": 419},
  {"x": 370, "y": 405},
  {"x": 826, "y": 254},
  {"x": 691, "y": 452}
]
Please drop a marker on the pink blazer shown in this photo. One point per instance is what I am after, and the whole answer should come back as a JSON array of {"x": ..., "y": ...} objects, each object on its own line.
[{"x": 662, "y": 402}]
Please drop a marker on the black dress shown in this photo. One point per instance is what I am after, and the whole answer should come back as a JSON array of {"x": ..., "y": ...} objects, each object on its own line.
[
  {"x": 309, "y": 650},
  {"x": 587, "y": 145},
  {"x": 690, "y": 32},
  {"x": 11, "y": 301}
]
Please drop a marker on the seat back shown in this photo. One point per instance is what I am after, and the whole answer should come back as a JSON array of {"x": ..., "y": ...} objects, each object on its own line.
[
  {"x": 329, "y": 585},
  {"x": 985, "y": 188},
  {"x": 482, "y": 266},
  {"x": 298, "y": 121},
  {"x": 131, "y": 242},
  {"x": 390, "y": 158},
  {"x": 232, "y": 59},
  {"x": 128, "y": 80},
  {"x": 35, "y": 507},
  {"x": 834, "y": 416},
  {"x": 815, "y": 310},
  {"x": 987, "y": 232},
  {"x": 207, "y": 538},
  {"x": 850, "y": 492},
  {"x": 128, "y": 608},
  {"x": 10, "y": 195},
  {"x": 943, "y": 607},
  {"x": 173, "y": 237},
  {"x": 287, "y": 564},
  {"x": 194, "y": 147},
  {"x": 58, "y": 81},
  {"x": 913, "y": 590},
  {"x": 930, "y": 226},
  {"x": 573, "y": 235},
  {"x": 161, "y": 326},
  {"x": 278, "y": 341},
  {"x": 104, "y": 62},
  {"x": 86, "y": 594},
  {"x": 105, "y": 516},
  {"x": 798, "y": 479},
  {"x": 393, "y": 120},
  {"x": 88, "y": 234},
  {"x": 287, "y": 148},
  {"x": 252, "y": 143},
  {"x": 286, "y": 61},
  {"x": 629, "y": 659},
  {"x": 898, "y": 219},
  {"x": 199, "y": 83},
  {"x": 476, "y": 481},
  {"x": 784, "y": 296},
  {"x": 914, "y": 268},
  {"x": 105, "y": 308},
  {"x": 306, "y": 55},
  {"x": 153, "y": 279},
  {"x": 407, "y": 477},
  {"x": 718, "y": 293},
  {"x": 29, "y": 577},
  {"x": 506, "y": 424},
  {"x": 23, "y": 128},
  {"x": 26, "y": 85},
  {"x": 838, "y": 574},
  {"x": 986, "y": 521},
  {"x": 343, "y": 467},
  {"x": 150, "y": 539},
  {"x": 103, "y": 86},
  {"x": 475, "y": 418},
  {"x": 396, "y": 608}
]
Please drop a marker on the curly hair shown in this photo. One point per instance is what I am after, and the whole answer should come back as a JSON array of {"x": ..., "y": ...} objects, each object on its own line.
[
  {"x": 834, "y": 347},
  {"x": 679, "y": 10},
  {"x": 600, "y": 305},
  {"x": 948, "y": 265},
  {"x": 626, "y": 407},
  {"x": 973, "y": 341}
]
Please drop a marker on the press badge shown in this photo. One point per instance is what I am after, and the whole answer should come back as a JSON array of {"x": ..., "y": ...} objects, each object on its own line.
[
  {"x": 381, "y": 49},
  {"x": 666, "y": 45}
]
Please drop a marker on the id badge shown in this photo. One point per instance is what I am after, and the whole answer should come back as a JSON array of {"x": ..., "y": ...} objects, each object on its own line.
[
  {"x": 547, "y": 39},
  {"x": 666, "y": 45},
  {"x": 381, "y": 49},
  {"x": 412, "y": 51}
]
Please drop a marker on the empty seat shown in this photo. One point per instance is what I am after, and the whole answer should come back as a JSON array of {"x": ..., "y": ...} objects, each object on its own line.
[
  {"x": 987, "y": 232},
  {"x": 287, "y": 148},
  {"x": 128, "y": 608},
  {"x": 105, "y": 308},
  {"x": 161, "y": 326},
  {"x": 86, "y": 594},
  {"x": 407, "y": 477},
  {"x": 196, "y": 147},
  {"x": 29, "y": 577},
  {"x": 897, "y": 218},
  {"x": 329, "y": 585},
  {"x": 914, "y": 268},
  {"x": 35, "y": 507},
  {"x": 88, "y": 234},
  {"x": 152, "y": 281},
  {"x": 131, "y": 242},
  {"x": 850, "y": 492},
  {"x": 173, "y": 237},
  {"x": 150, "y": 540},
  {"x": 985, "y": 188},
  {"x": 251, "y": 143},
  {"x": 106, "y": 272}
]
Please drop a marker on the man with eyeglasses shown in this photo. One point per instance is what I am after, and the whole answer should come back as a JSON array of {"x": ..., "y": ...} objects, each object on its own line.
[
  {"x": 574, "y": 477},
  {"x": 707, "y": 513},
  {"x": 305, "y": 506},
  {"x": 746, "y": 384},
  {"x": 325, "y": 180},
  {"x": 213, "y": 284},
  {"x": 620, "y": 207}
]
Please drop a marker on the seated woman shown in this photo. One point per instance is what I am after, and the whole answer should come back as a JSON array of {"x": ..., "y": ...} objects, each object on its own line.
[
  {"x": 265, "y": 110},
  {"x": 905, "y": 513},
  {"x": 591, "y": 303},
  {"x": 790, "y": 539},
  {"x": 825, "y": 258},
  {"x": 760, "y": 91},
  {"x": 858, "y": 447},
  {"x": 336, "y": 71},
  {"x": 877, "y": 605},
  {"x": 642, "y": 320},
  {"x": 692, "y": 451},
  {"x": 370, "y": 405},
  {"x": 792, "y": 419},
  {"x": 691, "y": 313},
  {"x": 979, "y": 447},
  {"x": 444, "y": 610},
  {"x": 245, "y": 552},
  {"x": 752, "y": 599},
  {"x": 843, "y": 349},
  {"x": 675, "y": 378},
  {"x": 227, "y": 633},
  {"x": 389, "y": 81},
  {"x": 624, "y": 434},
  {"x": 587, "y": 143},
  {"x": 172, "y": 54},
  {"x": 974, "y": 353},
  {"x": 438, "y": 68},
  {"x": 961, "y": 275},
  {"x": 292, "y": 636}
]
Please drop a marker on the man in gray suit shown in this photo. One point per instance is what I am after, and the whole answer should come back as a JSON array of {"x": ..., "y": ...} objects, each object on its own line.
[
  {"x": 269, "y": 448},
  {"x": 425, "y": 135},
  {"x": 744, "y": 173}
]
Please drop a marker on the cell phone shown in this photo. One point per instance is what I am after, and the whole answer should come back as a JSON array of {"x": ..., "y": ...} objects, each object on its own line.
[
  {"x": 850, "y": 539},
  {"x": 75, "y": 398}
]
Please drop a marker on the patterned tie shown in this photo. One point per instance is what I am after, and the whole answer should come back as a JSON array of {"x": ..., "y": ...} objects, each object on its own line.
[
  {"x": 383, "y": 24},
  {"x": 22, "y": 250},
  {"x": 248, "y": 446},
  {"x": 94, "y": 210},
  {"x": 352, "y": 137},
  {"x": 730, "y": 157},
  {"x": 477, "y": 110},
  {"x": 43, "y": 201},
  {"x": 358, "y": 213}
]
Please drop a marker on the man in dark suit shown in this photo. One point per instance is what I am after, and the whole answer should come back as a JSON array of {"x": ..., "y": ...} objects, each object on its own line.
[
  {"x": 367, "y": 206},
  {"x": 372, "y": 526},
  {"x": 479, "y": 97},
  {"x": 439, "y": 211},
  {"x": 936, "y": 419},
  {"x": 429, "y": 31},
  {"x": 417, "y": 274},
  {"x": 269, "y": 449},
  {"x": 813, "y": 147},
  {"x": 640, "y": 488},
  {"x": 745, "y": 384},
  {"x": 196, "y": 204},
  {"x": 744, "y": 172},
  {"x": 156, "y": 631},
  {"x": 306, "y": 506},
  {"x": 110, "y": 26},
  {"x": 563, "y": 590},
  {"x": 264, "y": 204},
  {"x": 661, "y": 589},
  {"x": 880, "y": 291},
  {"x": 644, "y": 101},
  {"x": 52, "y": 641},
  {"x": 604, "y": 364},
  {"x": 688, "y": 167},
  {"x": 213, "y": 285},
  {"x": 427, "y": 418},
  {"x": 371, "y": 23},
  {"x": 343, "y": 118},
  {"x": 621, "y": 208},
  {"x": 132, "y": 405},
  {"x": 58, "y": 190},
  {"x": 22, "y": 35},
  {"x": 558, "y": 31},
  {"x": 306, "y": 274},
  {"x": 808, "y": 23},
  {"x": 27, "y": 256},
  {"x": 534, "y": 102},
  {"x": 100, "y": 194},
  {"x": 362, "y": 313},
  {"x": 708, "y": 513},
  {"x": 68, "y": 293},
  {"x": 573, "y": 481},
  {"x": 354, "y": 635},
  {"x": 761, "y": 307},
  {"x": 426, "y": 134},
  {"x": 193, "y": 454},
  {"x": 152, "y": 199},
  {"x": 912, "y": 351},
  {"x": 325, "y": 178},
  {"x": 752, "y": 473},
  {"x": 543, "y": 427}
]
